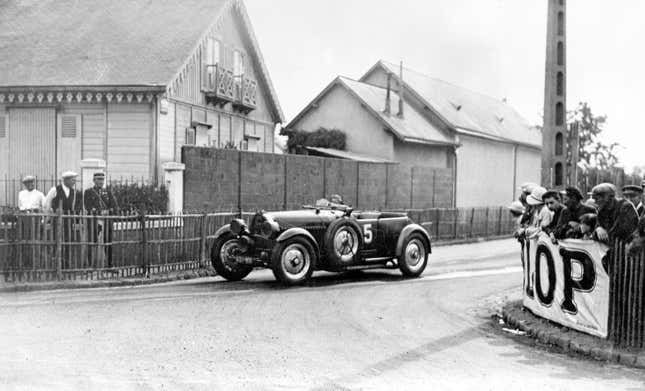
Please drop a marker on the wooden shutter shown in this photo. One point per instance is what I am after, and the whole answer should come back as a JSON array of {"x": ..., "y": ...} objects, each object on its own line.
[
  {"x": 3, "y": 126},
  {"x": 69, "y": 126}
]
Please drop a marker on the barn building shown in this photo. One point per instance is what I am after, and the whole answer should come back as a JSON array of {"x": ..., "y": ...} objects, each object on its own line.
[
  {"x": 128, "y": 82},
  {"x": 488, "y": 145}
]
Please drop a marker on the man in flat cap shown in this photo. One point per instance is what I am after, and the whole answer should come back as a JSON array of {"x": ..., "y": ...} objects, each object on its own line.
[
  {"x": 99, "y": 200},
  {"x": 634, "y": 194},
  {"x": 30, "y": 200},
  {"x": 65, "y": 196},
  {"x": 617, "y": 218},
  {"x": 568, "y": 225}
]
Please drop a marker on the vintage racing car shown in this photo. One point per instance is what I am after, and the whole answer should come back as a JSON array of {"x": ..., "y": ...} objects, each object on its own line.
[{"x": 295, "y": 243}]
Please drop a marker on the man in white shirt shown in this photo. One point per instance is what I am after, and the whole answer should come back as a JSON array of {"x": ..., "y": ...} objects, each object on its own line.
[
  {"x": 65, "y": 196},
  {"x": 30, "y": 200}
]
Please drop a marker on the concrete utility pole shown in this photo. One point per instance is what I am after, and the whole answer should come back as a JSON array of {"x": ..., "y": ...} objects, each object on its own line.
[{"x": 555, "y": 140}]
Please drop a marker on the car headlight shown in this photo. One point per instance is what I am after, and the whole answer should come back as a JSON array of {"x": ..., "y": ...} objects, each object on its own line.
[
  {"x": 238, "y": 226},
  {"x": 269, "y": 227}
]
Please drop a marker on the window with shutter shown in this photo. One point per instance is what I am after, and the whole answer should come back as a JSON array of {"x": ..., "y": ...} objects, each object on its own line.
[
  {"x": 3, "y": 126},
  {"x": 190, "y": 136},
  {"x": 68, "y": 126}
]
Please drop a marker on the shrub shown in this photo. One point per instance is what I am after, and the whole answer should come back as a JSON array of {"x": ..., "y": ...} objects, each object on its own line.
[
  {"x": 138, "y": 198},
  {"x": 322, "y": 138}
]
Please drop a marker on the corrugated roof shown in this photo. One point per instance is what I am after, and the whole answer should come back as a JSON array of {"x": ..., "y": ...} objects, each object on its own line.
[
  {"x": 469, "y": 110},
  {"x": 347, "y": 155},
  {"x": 412, "y": 127}
]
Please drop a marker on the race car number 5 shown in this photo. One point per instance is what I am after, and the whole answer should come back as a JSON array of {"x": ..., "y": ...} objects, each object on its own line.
[{"x": 367, "y": 231}]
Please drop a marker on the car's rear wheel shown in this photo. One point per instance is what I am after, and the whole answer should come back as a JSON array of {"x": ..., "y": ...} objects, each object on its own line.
[
  {"x": 414, "y": 255},
  {"x": 293, "y": 261},
  {"x": 223, "y": 255}
]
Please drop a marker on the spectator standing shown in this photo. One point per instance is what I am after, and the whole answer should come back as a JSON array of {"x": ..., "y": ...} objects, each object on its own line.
[
  {"x": 542, "y": 216},
  {"x": 552, "y": 201},
  {"x": 525, "y": 190},
  {"x": 30, "y": 200},
  {"x": 634, "y": 194},
  {"x": 568, "y": 225},
  {"x": 588, "y": 226},
  {"x": 65, "y": 196},
  {"x": 99, "y": 200},
  {"x": 617, "y": 218}
]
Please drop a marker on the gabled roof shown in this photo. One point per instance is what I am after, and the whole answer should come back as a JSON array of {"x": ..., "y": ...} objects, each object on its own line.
[
  {"x": 466, "y": 111},
  {"x": 413, "y": 127},
  {"x": 108, "y": 42}
]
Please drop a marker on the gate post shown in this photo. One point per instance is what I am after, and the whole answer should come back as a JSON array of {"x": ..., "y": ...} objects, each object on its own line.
[{"x": 174, "y": 181}]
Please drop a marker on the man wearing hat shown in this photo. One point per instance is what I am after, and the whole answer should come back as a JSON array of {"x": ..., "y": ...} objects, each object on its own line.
[
  {"x": 65, "y": 196},
  {"x": 30, "y": 200},
  {"x": 542, "y": 215},
  {"x": 100, "y": 201},
  {"x": 568, "y": 225},
  {"x": 634, "y": 194},
  {"x": 617, "y": 218}
]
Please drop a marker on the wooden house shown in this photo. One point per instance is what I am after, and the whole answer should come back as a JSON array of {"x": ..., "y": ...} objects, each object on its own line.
[{"x": 129, "y": 82}]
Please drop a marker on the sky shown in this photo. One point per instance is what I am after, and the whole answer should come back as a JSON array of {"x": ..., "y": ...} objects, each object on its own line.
[{"x": 496, "y": 47}]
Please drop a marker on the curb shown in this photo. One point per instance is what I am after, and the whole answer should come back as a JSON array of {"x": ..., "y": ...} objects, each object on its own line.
[
  {"x": 451, "y": 242},
  {"x": 85, "y": 284},
  {"x": 568, "y": 341}
]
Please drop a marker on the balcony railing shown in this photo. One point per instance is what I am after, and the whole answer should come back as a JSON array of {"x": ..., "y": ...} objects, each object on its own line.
[
  {"x": 245, "y": 93},
  {"x": 218, "y": 84},
  {"x": 221, "y": 86}
]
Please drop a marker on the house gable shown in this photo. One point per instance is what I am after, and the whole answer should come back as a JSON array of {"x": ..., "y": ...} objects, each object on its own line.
[
  {"x": 338, "y": 108},
  {"x": 232, "y": 30}
]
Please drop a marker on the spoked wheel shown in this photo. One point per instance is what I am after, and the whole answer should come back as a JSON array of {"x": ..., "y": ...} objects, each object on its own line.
[
  {"x": 342, "y": 241},
  {"x": 414, "y": 256},
  {"x": 225, "y": 250},
  {"x": 293, "y": 261}
]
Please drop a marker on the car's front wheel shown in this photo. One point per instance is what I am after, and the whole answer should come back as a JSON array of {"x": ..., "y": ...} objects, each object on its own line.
[
  {"x": 293, "y": 260},
  {"x": 414, "y": 255},
  {"x": 225, "y": 249}
]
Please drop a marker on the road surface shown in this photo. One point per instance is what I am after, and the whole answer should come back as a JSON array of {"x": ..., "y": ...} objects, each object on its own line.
[{"x": 360, "y": 331}]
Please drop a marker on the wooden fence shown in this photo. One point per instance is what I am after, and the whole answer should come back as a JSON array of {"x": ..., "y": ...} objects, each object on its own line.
[
  {"x": 626, "y": 298},
  {"x": 43, "y": 247}
]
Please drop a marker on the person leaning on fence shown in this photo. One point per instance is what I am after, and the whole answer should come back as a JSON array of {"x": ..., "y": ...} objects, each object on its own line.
[
  {"x": 525, "y": 190},
  {"x": 568, "y": 225},
  {"x": 634, "y": 194},
  {"x": 617, "y": 218},
  {"x": 30, "y": 200},
  {"x": 542, "y": 216},
  {"x": 588, "y": 224}
]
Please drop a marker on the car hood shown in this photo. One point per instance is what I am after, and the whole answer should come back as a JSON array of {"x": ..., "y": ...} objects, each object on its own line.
[{"x": 303, "y": 217}]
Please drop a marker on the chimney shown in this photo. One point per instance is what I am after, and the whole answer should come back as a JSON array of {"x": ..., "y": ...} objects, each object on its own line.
[
  {"x": 400, "y": 114},
  {"x": 387, "y": 95}
]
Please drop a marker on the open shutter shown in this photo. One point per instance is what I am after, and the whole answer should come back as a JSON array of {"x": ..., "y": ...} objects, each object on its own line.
[{"x": 207, "y": 55}]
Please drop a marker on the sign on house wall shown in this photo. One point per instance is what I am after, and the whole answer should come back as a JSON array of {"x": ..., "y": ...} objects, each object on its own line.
[{"x": 567, "y": 283}]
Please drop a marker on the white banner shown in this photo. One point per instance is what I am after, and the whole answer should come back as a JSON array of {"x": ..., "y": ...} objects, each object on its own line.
[{"x": 566, "y": 283}]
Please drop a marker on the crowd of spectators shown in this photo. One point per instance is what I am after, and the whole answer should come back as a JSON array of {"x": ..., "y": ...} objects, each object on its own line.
[{"x": 565, "y": 214}]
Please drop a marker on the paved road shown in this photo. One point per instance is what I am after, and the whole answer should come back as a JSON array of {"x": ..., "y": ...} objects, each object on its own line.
[{"x": 360, "y": 331}]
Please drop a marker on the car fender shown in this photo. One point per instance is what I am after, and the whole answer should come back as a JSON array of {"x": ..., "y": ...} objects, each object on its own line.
[
  {"x": 222, "y": 231},
  {"x": 297, "y": 231},
  {"x": 406, "y": 231}
]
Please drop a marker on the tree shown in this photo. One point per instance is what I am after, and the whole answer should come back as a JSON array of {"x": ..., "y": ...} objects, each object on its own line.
[{"x": 592, "y": 150}]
